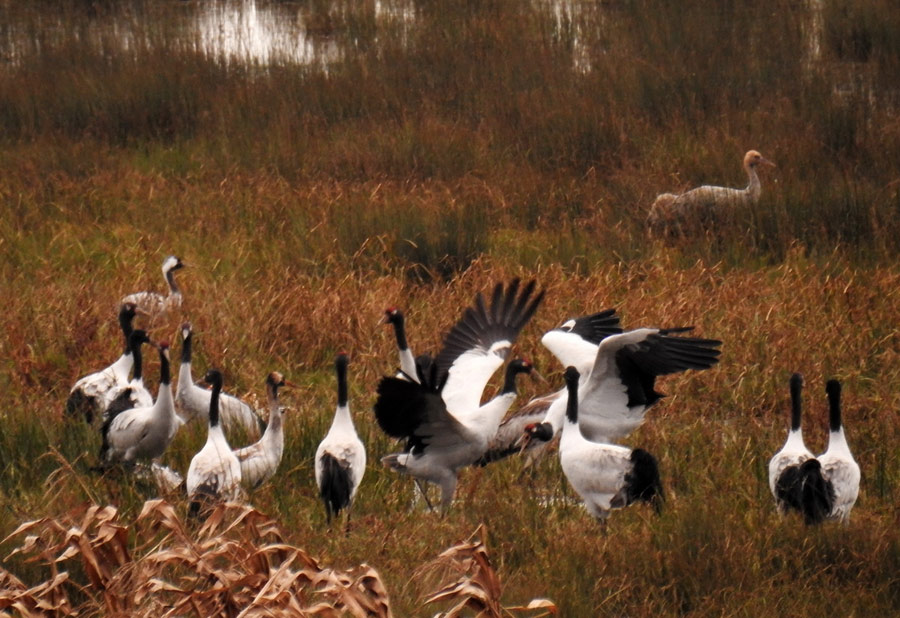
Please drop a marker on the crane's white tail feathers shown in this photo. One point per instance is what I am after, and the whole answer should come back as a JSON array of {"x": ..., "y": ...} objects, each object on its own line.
[
  {"x": 335, "y": 486},
  {"x": 641, "y": 483}
]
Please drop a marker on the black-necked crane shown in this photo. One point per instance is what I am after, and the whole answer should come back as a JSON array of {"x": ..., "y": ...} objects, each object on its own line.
[
  {"x": 260, "y": 460},
  {"x": 157, "y": 305},
  {"x": 341, "y": 456},
  {"x": 397, "y": 320},
  {"x": 619, "y": 386},
  {"x": 132, "y": 394},
  {"x": 90, "y": 396},
  {"x": 144, "y": 432},
  {"x": 606, "y": 476},
  {"x": 215, "y": 472},
  {"x": 192, "y": 400},
  {"x": 442, "y": 419},
  {"x": 573, "y": 343},
  {"x": 838, "y": 466},
  {"x": 676, "y": 214},
  {"x": 788, "y": 470}
]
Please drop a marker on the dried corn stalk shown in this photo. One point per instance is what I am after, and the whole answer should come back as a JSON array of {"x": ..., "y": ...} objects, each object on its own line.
[
  {"x": 236, "y": 564},
  {"x": 477, "y": 586}
]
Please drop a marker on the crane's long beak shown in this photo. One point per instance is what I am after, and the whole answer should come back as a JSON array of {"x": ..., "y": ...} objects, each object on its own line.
[
  {"x": 139, "y": 311},
  {"x": 289, "y": 384},
  {"x": 523, "y": 442},
  {"x": 536, "y": 374},
  {"x": 767, "y": 162}
]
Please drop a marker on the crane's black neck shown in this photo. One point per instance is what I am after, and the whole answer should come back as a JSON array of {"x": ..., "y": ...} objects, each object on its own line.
[
  {"x": 137, "y": 338},
  {"x": 186, "y": 348},
  {"x": 126, "y": 320},
  {"x": 400, "y": 330},
  {"x": 796, "y": 401},
  {"x": 833, "y": 388},
  {"x": 165, "y": 372},
  {"x": 214, "y": 402},
  {"x": 572, "y": 389},
  {"x": 340, "y": 366},
  {"x": 509, "y": 381},
  {"x": 170, "y": 279}
]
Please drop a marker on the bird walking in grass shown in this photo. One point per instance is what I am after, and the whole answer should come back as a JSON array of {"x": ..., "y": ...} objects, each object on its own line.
[
  {"x": 92, "y": 394},
  {"x": 442, "y": 420},
  {"x": 214, "y": 473},
  {"x": 839, "y": 469},
  {"x": 143, "y": 432},
  {"x": 260, "y": 460},
  {"x": 341, "y": 456},
  {"x": 677, "y": 214},
  {"x": 157, "y": 305},
  {"x": 606, "y": 476}
]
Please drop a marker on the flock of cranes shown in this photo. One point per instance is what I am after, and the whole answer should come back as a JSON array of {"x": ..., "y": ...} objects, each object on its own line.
[{"x": 433, "y": 406}]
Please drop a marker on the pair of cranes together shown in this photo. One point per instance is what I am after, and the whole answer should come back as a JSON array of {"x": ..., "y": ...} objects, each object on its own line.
[
  {"x": 820, "y": 488},
  {"x": 134, "y": 427}
]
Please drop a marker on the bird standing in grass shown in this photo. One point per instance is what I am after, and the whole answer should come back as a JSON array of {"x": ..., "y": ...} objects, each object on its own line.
[
  {"x": 606, "y": 476},
  {"x": 838, "y": 466},
  {"x": 155, "y": 304},
  {"x": 693, "y": 210},
  {"x": 144, "y": 432},
  {"x": 215, "y": 472},
  {"x": 793, "y": 466},
  {"x": 341, "y": 457},
  {"x": 260, "y": 460},
  {"x": 92, "y": 394}
]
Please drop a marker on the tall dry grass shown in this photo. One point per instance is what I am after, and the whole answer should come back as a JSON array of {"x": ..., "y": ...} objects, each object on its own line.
[{"x": 306, "y": 201}]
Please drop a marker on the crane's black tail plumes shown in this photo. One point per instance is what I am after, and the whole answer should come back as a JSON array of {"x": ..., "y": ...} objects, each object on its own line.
[
  {"x": 643, "y": 482},
  {"x": 204, "y": 497},
  {"x": 817, "y": 494},
  {"x": 79, "y": 405},
  {"x": 789, "y": 489},
  {"x": 336, "y": 486}
]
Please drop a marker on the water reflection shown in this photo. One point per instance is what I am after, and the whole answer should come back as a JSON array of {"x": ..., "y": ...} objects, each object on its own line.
[{"x": 261, "y": 33}]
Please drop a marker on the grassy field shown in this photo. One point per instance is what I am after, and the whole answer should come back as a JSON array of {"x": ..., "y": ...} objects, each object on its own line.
[{"x": 435, "y": 158}]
